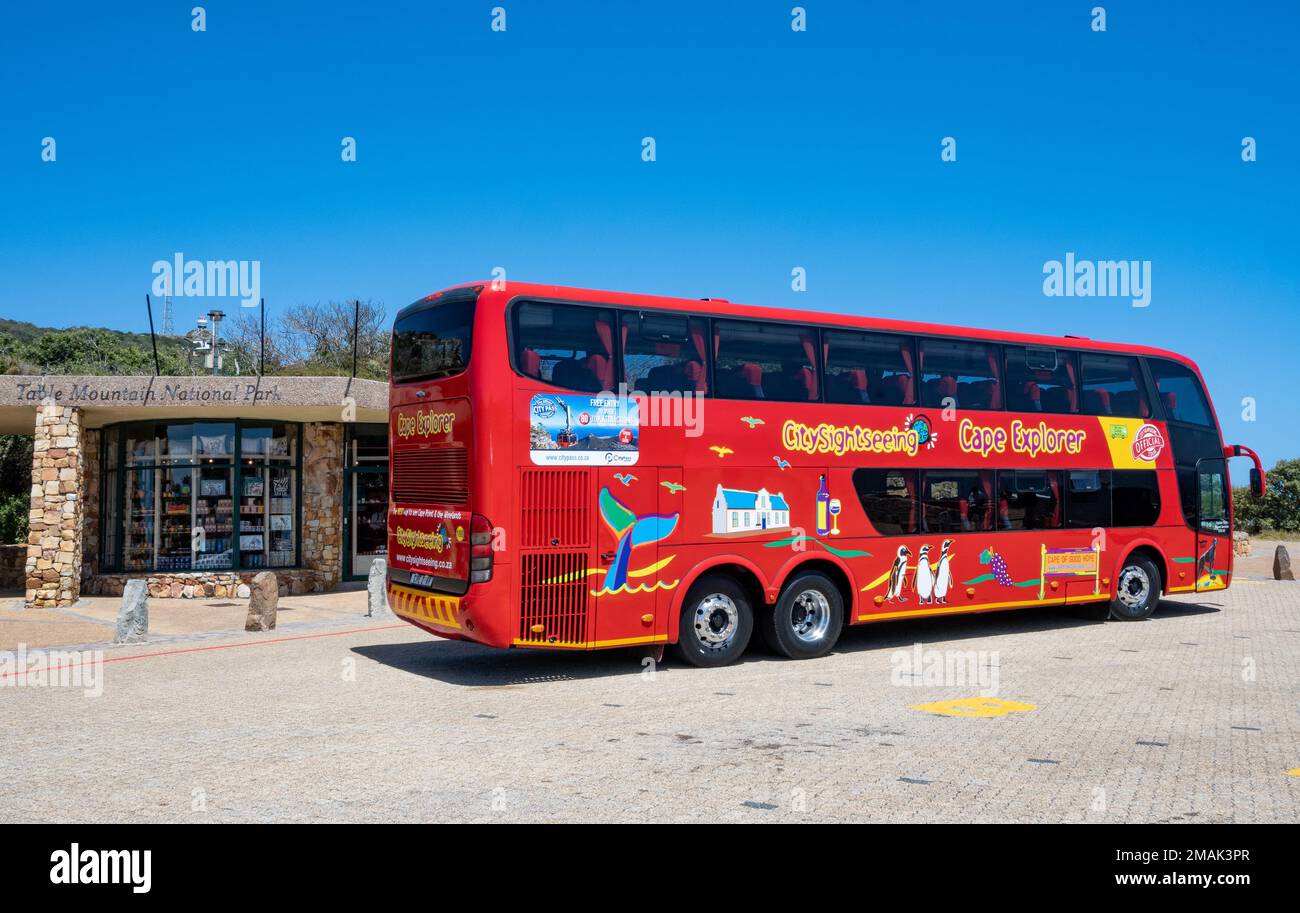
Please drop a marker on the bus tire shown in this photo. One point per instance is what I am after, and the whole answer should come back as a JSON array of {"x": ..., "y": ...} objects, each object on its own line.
[
  {"x": 807, "y": 619},
  {"x": 1137, "y": 590},
  {"x": 717, "y": 622}
]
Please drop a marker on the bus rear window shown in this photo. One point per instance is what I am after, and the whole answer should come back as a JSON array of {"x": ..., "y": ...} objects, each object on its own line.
[{"x": 433, "y": 341}]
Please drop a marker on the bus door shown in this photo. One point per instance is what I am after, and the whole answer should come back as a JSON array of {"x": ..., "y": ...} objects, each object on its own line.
[
  {"x": 1213, "y": 535},
  {"x": 629, "y": 528}
]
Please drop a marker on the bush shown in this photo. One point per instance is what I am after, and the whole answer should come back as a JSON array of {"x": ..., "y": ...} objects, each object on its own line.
[
  {"x": 15, "y": 464},
  {"x": 1279, "y": 509},
  {"x": 13, "y": 519}
]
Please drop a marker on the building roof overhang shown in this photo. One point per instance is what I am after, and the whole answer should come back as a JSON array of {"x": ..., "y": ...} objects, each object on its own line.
[{"x": 107, "y": 399}]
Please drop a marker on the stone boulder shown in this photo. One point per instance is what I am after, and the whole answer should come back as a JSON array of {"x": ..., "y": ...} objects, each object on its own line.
[
  {"x": 133, "y": 614},
  {"x": 376, "y": 585},
  {"x": 263, "y": 597},
  {"x": 1282, "y": 564}
]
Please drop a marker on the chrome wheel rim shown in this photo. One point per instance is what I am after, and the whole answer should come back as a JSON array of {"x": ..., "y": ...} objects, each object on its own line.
[
  {"x": 1134, "y": 587},
  {"x": 810, "y": 616},
  {"x": 716, "y": 621}
]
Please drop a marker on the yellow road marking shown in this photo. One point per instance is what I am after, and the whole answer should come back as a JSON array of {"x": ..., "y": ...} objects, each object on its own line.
[{"x": 975, "y": 706}]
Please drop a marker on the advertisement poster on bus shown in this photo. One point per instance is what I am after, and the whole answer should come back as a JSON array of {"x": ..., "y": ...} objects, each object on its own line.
[{"x": 568, "y": 430}]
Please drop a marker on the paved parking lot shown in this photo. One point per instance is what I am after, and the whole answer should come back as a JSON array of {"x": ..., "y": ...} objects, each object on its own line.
[{"x": 1191, "y": 716}]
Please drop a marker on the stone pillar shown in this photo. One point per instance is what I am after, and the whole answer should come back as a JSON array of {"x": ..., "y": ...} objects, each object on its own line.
[
  {"x": 54, "y": 542},
  {"x": 322, "y": 501}
]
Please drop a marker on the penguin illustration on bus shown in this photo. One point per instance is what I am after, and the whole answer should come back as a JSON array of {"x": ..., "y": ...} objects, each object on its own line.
[
  {"x": 897, "y": 576},
  {"x": 943, "y": 575},
  {"x": 924, "y": 576}
]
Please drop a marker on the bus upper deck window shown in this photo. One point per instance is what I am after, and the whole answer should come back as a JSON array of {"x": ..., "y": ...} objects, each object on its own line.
[
  {"x": 1041, "y": 380},
  {"x": 868, "y": 368},
  {"x": 566, "y": 345},
  {"x": 765, "y": 361},
  {"x": 1181, "y": 393},
  {"x": 664, "y": 353},
  {"x": 965, "y": 373},
  {"x": 1112, "y": 385}
]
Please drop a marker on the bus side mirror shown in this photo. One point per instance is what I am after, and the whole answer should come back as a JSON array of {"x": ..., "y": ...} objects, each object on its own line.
[{"x": 1256, "y": 483}]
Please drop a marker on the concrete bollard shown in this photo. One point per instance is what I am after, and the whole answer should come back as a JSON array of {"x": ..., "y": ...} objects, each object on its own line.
[
  {"x": 263, "y": 597},
  {"x": 1282, "y": 564},
  {"x": 376, "y": 590},
  {"x": 133, "y": 614}
]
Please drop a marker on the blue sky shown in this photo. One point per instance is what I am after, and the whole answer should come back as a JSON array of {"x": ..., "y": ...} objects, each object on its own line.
[{"x": 775, "y": 149}]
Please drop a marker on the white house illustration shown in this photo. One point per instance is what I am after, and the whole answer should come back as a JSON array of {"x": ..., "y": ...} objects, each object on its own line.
[{"x": 738, "y": 511}]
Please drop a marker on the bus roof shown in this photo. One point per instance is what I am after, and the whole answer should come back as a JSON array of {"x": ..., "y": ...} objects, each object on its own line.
[{"x": 721, "y": 307}]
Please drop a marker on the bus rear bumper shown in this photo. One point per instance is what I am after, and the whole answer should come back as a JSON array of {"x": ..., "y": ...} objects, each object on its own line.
[{"x": 452, "y": 617}]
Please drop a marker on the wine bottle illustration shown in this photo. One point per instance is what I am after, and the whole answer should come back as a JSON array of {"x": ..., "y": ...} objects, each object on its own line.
[{"x": 823, "y": 508}]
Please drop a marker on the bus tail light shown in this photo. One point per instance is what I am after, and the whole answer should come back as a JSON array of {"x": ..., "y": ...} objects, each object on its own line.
[{"x": 480, "y": 549}]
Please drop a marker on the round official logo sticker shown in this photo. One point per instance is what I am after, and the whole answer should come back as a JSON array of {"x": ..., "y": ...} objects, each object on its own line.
[
  {"x": 625, "y": 436},
  {"x": 584, "y": 418},
  {"x": 1148, "y": 443}
]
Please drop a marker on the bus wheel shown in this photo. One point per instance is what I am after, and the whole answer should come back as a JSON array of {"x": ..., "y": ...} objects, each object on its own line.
[
  {"x": 806, "y": 620},
  {"x": 1138, "y": 590},
  {"x": 717, "y": 621}
]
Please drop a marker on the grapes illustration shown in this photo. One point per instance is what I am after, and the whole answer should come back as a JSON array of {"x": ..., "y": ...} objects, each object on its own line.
[{"x": 997, "y": 566}]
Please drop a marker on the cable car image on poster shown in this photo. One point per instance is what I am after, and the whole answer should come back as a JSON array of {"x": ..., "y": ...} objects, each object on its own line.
[{"x": 582, "y": 430}]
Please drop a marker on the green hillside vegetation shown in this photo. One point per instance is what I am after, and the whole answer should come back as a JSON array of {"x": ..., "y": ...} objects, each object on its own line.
[
  {"x": 306, "y": 339},
  {"x": 1277, "y": 514},
  {"x": 28, "y": 349}
]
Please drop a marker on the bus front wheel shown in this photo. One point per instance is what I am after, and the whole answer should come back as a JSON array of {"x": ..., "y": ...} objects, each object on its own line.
[
  {"x": 1137, "y": 591},
  {"x": 717, "y": 621},
  {"x": 805, "y": 622}
]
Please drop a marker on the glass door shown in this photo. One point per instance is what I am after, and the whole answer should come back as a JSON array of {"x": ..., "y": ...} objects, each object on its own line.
[
  {"x": 365, "y": 516},
  {"x": 213, "y": 448},
  {"x": 1213, "y": 533},
  {"x": 268, "y": 479},
  {"x": 214, "y": 515},
  {"x": 369, "y": 519},
  {"x": 139, "y": 519},
  {"x": 174, "y": 533},
  {"x": 140, "y": 502}
]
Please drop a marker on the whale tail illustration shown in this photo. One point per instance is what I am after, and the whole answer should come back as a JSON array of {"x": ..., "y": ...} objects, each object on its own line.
[{"x": 631, "y": 531}]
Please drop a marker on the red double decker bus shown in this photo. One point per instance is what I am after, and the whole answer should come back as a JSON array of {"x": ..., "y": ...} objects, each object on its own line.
[{"x": 582, "y": 469}]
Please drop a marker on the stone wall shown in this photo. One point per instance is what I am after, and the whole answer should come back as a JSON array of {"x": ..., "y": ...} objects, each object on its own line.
[
  {"x": 53, "y": 568},
  {"x": 205, "y": 584},
  {"x": 322, "y": 500}
]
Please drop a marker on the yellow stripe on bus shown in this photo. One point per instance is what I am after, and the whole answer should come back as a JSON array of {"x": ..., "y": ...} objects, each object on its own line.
[
  {"x": 440, "y": 611},
  {"x": 595, "y": 644},
  {"x": 986, "y": 606}
]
